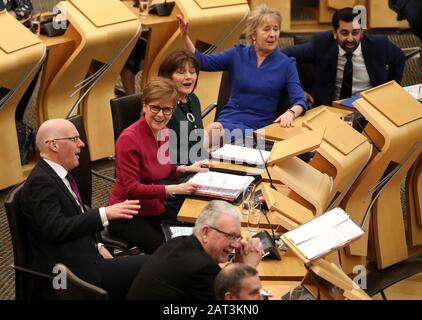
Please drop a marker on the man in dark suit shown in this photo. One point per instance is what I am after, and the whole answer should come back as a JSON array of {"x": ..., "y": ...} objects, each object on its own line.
[
  {"x": 371, "y": 59},
  {"x": 185, "y": 267},
  {"x": 411, "y": 10},
  {"x": 58, "y": 226}
]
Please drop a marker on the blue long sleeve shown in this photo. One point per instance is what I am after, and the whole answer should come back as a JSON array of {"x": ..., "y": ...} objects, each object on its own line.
[{"x": 255, "y": 92}]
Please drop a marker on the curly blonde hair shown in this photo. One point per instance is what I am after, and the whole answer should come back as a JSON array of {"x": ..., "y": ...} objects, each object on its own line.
[{"x": 260, "y": 13}]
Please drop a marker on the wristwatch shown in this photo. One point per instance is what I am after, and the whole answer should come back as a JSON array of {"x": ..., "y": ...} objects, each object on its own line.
[{"x": 293, "y": 113}]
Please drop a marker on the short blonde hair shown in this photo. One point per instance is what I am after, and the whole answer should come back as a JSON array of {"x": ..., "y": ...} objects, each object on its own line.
[
  {"x": 160, "y": 88},
  {"x": 260, "y": 13}
]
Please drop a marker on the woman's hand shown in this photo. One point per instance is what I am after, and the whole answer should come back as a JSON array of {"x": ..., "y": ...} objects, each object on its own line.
[
  {"x": 183, "y": 188},
  {"x": 184, "y": 33},
  {"x": 286, "y": 120},
  {"x": 183, "y": 26},
  {"x": 199, "y": 166}
]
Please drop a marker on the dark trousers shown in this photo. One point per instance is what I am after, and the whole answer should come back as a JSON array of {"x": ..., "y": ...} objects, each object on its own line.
[
  {"x": 143, "y": 232},
  {"x": 113, "y": 275},
  {"x": 118, "y": 274}
]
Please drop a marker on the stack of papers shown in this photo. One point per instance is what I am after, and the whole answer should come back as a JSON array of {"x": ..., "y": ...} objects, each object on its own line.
[
  {"x": 177, "y": 231},
  {"x": 415, "y": 91},
  {"x": 330, "y": 231},
  {"x": 220, "y": 185},
  {"x": 240, "y": 154}
]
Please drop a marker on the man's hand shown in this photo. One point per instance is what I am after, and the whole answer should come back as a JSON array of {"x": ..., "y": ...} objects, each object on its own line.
[
  {"x": 123, "y": 210},
  {"x": 250, "y": 252},
  {"x": 104, "y": 252}
]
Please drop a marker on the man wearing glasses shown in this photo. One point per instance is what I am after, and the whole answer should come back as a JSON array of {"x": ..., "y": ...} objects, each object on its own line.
[
  {"x": 59, "y": 227},
  {"x": 185, "y": 267}
]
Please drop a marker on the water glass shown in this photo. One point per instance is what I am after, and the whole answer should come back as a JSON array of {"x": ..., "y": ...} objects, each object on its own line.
[
  {"x": 143, "y": 8},
  {"x": 254, "y": 215},
  {"x": 35, "y": 24},
  {"x": 248, "y": 191}
]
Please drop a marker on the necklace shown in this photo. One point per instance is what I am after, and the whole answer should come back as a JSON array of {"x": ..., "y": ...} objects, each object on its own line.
[{"x": 189, "y": 115}]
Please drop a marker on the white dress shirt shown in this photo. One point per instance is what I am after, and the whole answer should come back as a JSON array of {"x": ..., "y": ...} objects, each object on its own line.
[{"x": 361, "y": 79}]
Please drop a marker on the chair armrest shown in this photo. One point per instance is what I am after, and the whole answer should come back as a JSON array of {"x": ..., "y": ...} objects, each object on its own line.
[
  {"x": 208, "y": 109},
  {"x": 102, "y": 176},
  {"x": 35, "y": 273}
]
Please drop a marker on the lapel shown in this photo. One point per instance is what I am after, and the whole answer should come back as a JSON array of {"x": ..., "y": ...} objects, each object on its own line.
[
  {"x": 368, "y": 57},
  {"x": 333, "y": 53},
  {"x": 48, "y": 170}
]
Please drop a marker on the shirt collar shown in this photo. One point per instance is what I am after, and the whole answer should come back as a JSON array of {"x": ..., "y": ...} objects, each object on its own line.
[
  {"x": 61, "y": 172},
  {"x": 357, "y": 52}
]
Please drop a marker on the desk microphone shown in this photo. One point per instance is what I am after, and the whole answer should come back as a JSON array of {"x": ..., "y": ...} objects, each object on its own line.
[{"x": 266, "y": 168}]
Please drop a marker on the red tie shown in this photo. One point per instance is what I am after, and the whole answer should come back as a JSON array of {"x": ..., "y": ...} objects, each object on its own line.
[{"x": 74, "y": 187}]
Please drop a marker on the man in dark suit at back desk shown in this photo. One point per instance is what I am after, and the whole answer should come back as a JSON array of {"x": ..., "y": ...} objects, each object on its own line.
[
  {"x": 347, "y": 60},
  {"x": 58, "y": 226}
]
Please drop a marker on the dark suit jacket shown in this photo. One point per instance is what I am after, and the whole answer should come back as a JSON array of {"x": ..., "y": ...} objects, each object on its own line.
[
  {"x": 384, "y": 62},
  {"x": 179, "y": 269},
  {"x": 57, "y": 229}
]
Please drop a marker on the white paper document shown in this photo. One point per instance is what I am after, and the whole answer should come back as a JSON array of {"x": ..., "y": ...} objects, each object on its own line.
[
  {"x": 415, "y": 91},
  {"x": 180, "y": 231},
  {"x": 218, "y": 184},
  {"x": 325, "y": 233},
  {"x": 240, "y": 154}
]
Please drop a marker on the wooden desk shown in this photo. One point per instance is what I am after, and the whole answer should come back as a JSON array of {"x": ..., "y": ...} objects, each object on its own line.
[
  {"x": 276, "y": 132},
  {"x": 278, "y": 288},
  {"x": 290, "y": 268},
  {"x": 80, "y": 76},
  {"x": 192, "y": 207},
  {"x": 21, "y": 55},
  {"x": 160, "y": 29},
  {"x": 59, "y": 50}
]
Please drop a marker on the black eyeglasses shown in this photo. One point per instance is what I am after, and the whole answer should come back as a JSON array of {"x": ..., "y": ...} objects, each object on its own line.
[
  {"x": 230, "y": 236},
  {"x": 75, "y": 139},
  {"x": 156, "y": 109}
]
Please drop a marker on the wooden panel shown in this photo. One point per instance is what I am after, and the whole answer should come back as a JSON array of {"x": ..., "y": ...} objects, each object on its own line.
[
  {"x": 283, "y": 6},
  {"x": 389, "y": 99},
  {"x": 98, "y": 11},
  {"x": 338, "y": 4},
  {"x": 338, "y": 134},
  {"x": 207, "y": 4},
  {"x": 291, "y": 209},
  {"x": 296, "y": 145},
  {"x": 381, "y": 16},
  {"x": 13, "y": 36}
]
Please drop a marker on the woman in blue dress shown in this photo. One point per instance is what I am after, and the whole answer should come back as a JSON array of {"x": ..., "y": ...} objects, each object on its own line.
[{"x": 259, "y": 72}]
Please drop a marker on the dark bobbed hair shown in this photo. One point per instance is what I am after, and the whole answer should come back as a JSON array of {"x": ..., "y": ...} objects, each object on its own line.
[
  {"x": 344, "y": 14},
  {"x": 175, "y": 60}
]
